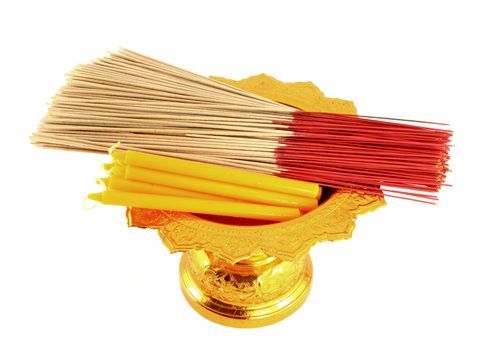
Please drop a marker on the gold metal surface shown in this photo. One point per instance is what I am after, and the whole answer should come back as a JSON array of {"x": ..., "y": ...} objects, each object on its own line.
[
  {"x": 245, "y": 275},
  {"x": 289, "y": 240},
  {"x": 250, "y": 293}
]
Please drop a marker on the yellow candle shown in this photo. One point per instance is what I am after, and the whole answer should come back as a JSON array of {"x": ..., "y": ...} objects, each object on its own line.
[
  {"x": 212, "y": 187},
  {"x": 196, "y": 205},
  {"x": 120, "y": 184},
  {"x": 219, "y": 173},
  {"x": 107, "y": 166}
]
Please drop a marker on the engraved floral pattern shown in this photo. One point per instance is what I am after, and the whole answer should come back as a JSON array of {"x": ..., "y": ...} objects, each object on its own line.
[
  {"x": 331, "y": 221},
  {"x": 247, "y": 289}
]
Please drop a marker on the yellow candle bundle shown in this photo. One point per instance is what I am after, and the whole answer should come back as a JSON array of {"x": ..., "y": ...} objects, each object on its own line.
[
  {"x": 218, "y": 173},
  {"x": 156, "y": 182},
  {"x": 223, "y": 189}
]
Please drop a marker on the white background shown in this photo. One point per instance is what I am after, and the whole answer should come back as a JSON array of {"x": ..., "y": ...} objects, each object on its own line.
[{"x": 412, "y": 275}]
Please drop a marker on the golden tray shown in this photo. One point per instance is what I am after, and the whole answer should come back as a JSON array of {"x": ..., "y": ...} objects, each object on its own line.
[{"x": 244, "y": 275}]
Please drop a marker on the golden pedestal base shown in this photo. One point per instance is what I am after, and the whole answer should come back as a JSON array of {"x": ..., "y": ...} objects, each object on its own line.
[{"x": 250, "y": 293}]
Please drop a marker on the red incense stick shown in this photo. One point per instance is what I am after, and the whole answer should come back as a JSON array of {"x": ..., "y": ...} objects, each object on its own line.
[{"x": 365, "y": 153}]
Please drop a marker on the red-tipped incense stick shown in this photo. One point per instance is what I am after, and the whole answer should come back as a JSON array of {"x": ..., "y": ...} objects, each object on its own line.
[{"x": 366, "y": 153}]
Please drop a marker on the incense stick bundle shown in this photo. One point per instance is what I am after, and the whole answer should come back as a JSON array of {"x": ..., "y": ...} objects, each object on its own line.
[{"x": 154, "y": 107}]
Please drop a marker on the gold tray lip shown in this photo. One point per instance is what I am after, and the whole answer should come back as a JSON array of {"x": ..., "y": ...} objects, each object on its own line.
[{"x": 333, "y": 220}]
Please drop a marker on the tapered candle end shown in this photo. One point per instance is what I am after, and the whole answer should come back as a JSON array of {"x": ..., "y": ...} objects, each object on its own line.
[
  {"x": 320, "y": 193},
  {"x": 95, "y": 196},
  {"x": 104, "y": 181},
  {"x": 108, "y": 166},
  {"x": 119, "y": 156}
]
